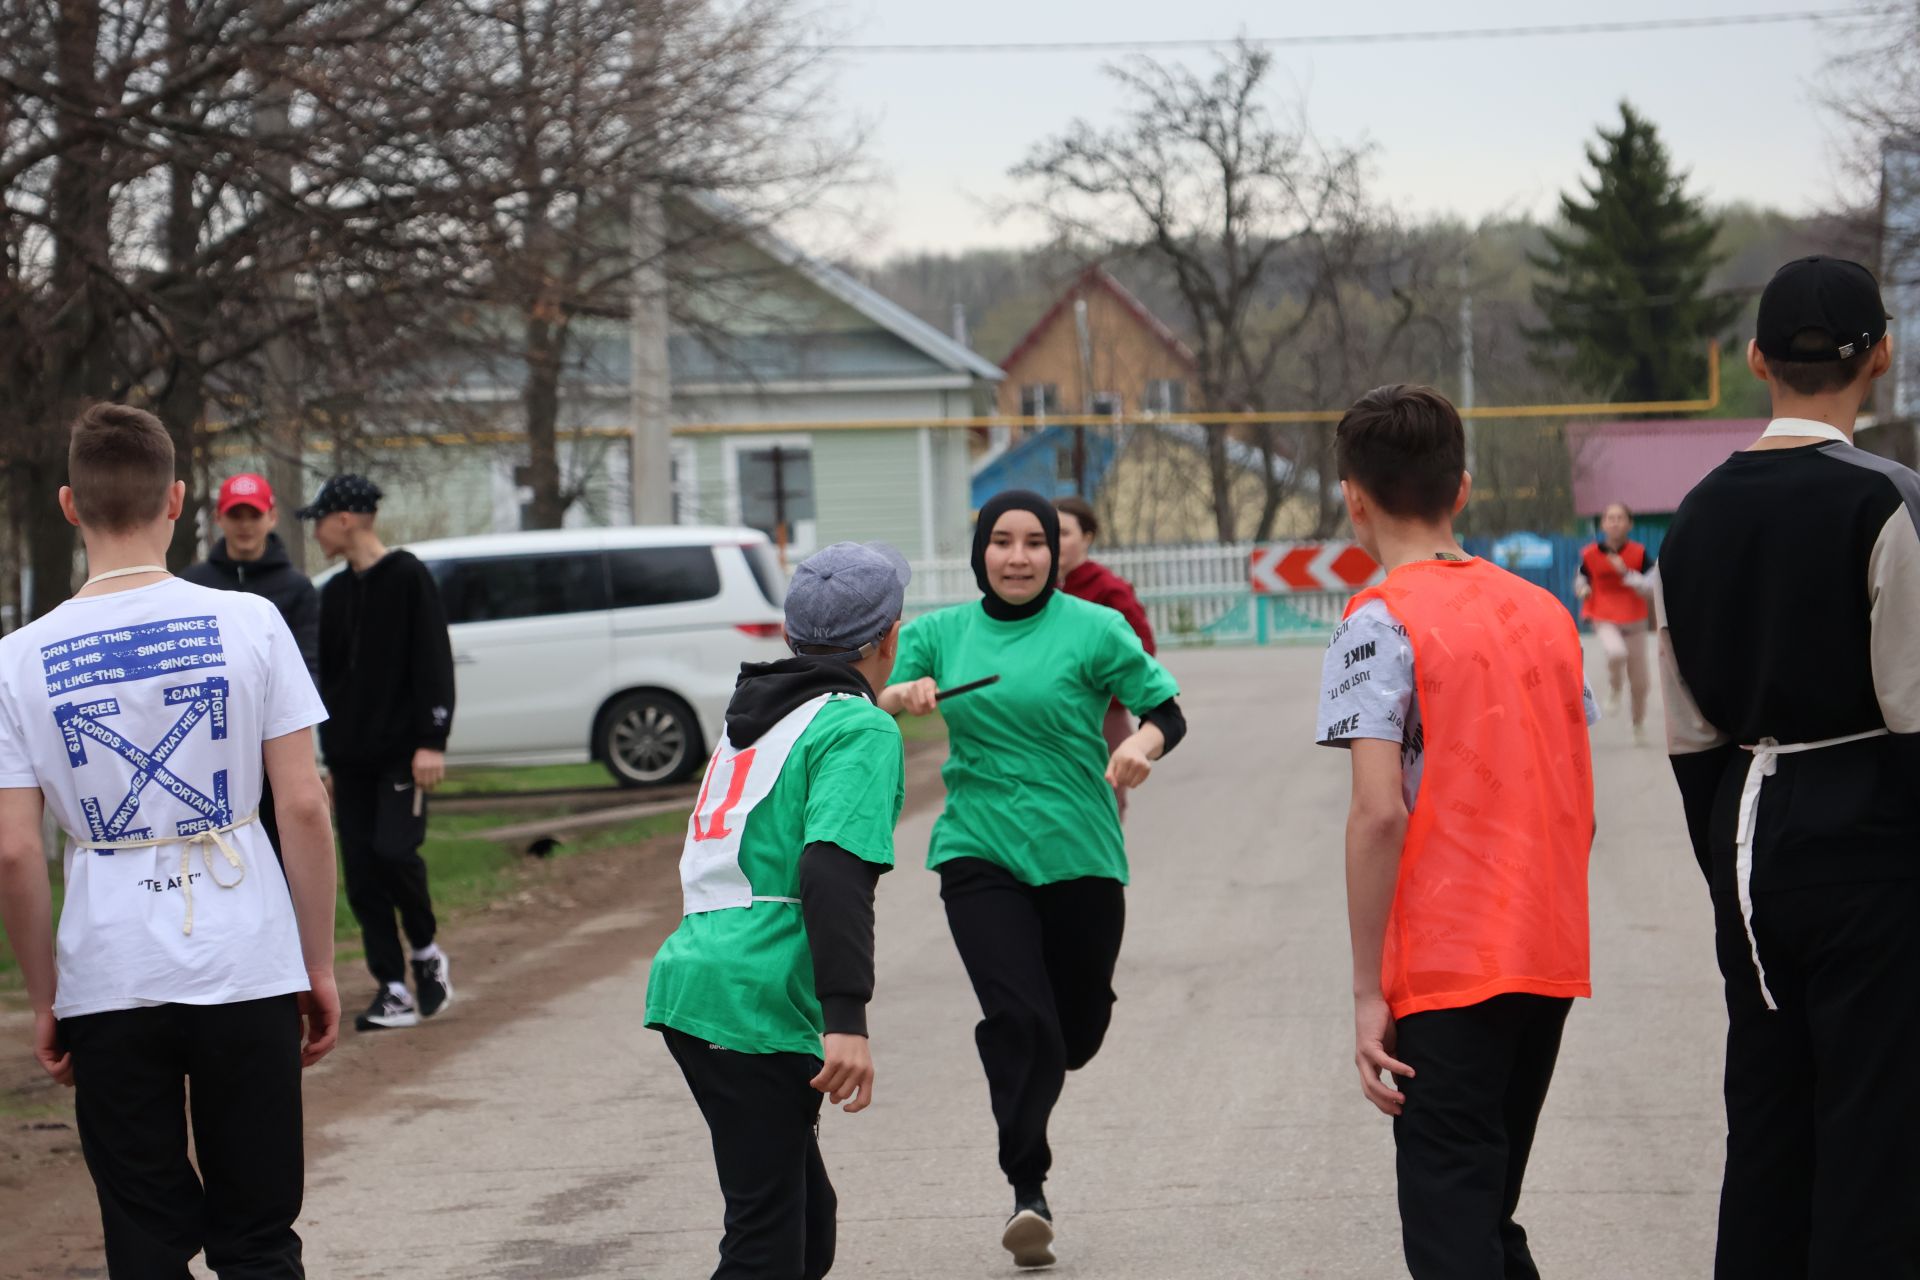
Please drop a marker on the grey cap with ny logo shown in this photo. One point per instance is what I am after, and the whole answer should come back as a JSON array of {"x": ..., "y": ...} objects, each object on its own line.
[{"x": 846, "y": 597}]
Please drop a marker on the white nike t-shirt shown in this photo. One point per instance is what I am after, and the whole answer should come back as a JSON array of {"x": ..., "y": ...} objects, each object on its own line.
[{"x": 140, "y": 715}]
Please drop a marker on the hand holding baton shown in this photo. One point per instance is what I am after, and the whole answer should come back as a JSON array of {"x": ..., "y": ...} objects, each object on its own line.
[{"x": 969, "y": 687}]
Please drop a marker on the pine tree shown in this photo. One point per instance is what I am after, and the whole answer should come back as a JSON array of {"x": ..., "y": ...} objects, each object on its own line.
[{"x": 1624, "y": 288}]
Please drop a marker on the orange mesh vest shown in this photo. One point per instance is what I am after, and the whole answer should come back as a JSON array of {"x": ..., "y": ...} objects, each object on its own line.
[
  {"x": 1611, "y": 599},
  {"x": 1492, "y": 893}
]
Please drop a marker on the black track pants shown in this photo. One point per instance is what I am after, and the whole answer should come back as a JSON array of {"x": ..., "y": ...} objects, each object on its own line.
[
  {"x": 380, "y": 837},
  {"x": 765, "y": 1118},
  {"x": 1041, "y": 960},
  {"x": 1461, "y": 1143},
  {"x": 1822, "y": 1120}
]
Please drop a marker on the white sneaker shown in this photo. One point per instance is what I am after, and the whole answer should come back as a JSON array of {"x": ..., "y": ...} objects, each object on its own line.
[
  {"x": 1029, "y": 1238},
  {"x": 1613, "y": 702},
  {"x": 1639, "y": 735}
]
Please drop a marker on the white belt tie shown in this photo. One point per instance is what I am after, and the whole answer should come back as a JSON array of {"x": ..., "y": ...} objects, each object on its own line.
[
  {"x": 207, "y": 841},
  {"x": 1766, "y": 754},
  {"x": 758, "y": 897}
]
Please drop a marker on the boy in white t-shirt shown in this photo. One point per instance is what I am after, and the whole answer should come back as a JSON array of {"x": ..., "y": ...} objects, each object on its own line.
[{"x": 143, "y": 714}]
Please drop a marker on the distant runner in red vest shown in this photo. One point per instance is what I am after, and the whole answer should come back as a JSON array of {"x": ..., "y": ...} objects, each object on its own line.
[
  {"x": 1615, "y": 582},
  {"x": 1457, "y": 687},
  {"x": 1091, "y": 581}
]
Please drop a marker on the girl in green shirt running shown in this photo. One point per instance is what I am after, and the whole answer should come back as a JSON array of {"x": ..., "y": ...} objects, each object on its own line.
[{"x": 1031, "y": 861}]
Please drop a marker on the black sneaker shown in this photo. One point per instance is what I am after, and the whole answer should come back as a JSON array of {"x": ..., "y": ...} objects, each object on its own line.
[
  {"x": 387, "y": 1012},
  {"x": 1029, "y": 1233},
  {"x": 433, "y": 984}
]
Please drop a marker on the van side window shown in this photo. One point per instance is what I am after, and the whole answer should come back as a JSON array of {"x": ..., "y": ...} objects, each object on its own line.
[
  {"x": 494, "y": 588},
  {"x": 662, "y": 575}
]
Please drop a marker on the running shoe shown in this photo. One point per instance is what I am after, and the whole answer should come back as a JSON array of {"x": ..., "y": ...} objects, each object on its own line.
[
  {"x": 1029, "y": 1233},
  {"x": 433, "y": 984},
  {"x": 1613, "y": 702},
  {"x": 388, "y": 1012},
  {"x": 1639, "y": 735}
]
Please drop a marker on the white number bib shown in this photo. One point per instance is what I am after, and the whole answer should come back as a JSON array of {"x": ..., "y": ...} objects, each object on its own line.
[{"x": 736, "y": 781}]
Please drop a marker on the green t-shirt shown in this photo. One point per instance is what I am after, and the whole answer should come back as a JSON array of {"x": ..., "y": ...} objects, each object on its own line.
[
  {"x": 1026, "y": 763},
  {"x": 743, "y": 978}
]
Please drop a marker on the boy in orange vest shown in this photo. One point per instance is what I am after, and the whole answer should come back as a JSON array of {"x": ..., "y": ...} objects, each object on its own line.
[{"x": 1457, "y": 689}]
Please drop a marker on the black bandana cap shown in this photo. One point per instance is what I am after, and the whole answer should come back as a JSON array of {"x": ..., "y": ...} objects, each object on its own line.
[{"x": 343, "y": 493}]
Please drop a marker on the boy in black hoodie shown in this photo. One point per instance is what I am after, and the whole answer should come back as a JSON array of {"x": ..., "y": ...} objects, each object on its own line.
[
  {"x": 386, "y": 675},
  {"x": 250, "y": 557},
  {"x": 762, "y": 990}
]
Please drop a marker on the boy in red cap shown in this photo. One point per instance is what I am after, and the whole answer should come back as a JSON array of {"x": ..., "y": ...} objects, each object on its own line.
[
  {"x": 250, "y": 557},
  {"x": 1457, "y": 688}
]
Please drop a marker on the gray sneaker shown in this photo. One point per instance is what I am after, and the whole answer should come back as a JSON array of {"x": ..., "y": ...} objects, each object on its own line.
[{"x": 388, "y": 1012}]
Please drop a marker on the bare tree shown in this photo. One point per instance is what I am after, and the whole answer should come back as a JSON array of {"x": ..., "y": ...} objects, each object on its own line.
[{"x": 1201, "y": 178}]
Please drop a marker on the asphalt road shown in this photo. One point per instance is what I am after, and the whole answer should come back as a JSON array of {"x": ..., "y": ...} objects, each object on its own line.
[{"x": 1220, "y": 1134}]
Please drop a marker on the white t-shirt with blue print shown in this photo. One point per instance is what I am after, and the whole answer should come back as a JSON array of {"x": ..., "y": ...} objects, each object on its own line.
[{"x": 139, "y": 715}]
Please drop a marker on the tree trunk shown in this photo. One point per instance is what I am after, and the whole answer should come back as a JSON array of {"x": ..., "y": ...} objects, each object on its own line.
[
  {"x": 546, "y": 345},
  {"x": 183, "y": 400},
  {"x": 1275, "y": 487},
  {"x": 79, "y": 336},
  {"x": 180, "y": 408}
]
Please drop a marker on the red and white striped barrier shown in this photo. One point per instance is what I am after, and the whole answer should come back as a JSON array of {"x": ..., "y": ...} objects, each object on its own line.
[{"x": 1284, "y": 567}]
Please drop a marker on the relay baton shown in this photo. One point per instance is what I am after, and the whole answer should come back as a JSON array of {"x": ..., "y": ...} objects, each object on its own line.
[{"x": 969, "y": 687}]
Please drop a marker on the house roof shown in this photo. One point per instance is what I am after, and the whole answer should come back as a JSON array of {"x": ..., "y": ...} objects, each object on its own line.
[
  {"x": 883, "y": 311},
  {"x": 1098, "y": 277},
  {"x": 1649, "y": 465}
]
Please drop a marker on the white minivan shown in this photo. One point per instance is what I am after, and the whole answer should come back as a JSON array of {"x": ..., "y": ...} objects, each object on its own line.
[{"x": 616, "y": 645}]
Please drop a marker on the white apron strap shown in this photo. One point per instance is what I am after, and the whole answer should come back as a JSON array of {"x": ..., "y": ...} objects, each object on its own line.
[
  {"x": 207, "y": 840},
  {"x": 1766, "y": 755}
]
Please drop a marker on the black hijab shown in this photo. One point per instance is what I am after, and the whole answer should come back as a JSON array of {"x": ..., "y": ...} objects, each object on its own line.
[{"x": 997, "y": 506}]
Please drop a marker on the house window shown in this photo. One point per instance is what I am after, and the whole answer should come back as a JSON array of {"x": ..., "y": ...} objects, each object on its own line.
[
  {"x": 1063, "y": 465},
  {"x": 1106, "y": 404},
  {"x": 1040, "y": 399},
  {"x": 776, "y": 489},
  {"x": 1167, "y": 395}
]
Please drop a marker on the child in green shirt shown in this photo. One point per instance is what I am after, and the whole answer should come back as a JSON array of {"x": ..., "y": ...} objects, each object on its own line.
[{"x": 762, "y": 990}]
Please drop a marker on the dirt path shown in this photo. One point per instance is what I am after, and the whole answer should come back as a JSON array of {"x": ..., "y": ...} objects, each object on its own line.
[{"x": 549, "y": 936}]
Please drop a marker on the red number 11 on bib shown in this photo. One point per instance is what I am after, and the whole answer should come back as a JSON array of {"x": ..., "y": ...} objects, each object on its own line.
[{"x": 713, "y": 826}]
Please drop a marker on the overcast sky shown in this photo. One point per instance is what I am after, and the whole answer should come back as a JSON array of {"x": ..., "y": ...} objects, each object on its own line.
[{"x": 1469, "y": 128}]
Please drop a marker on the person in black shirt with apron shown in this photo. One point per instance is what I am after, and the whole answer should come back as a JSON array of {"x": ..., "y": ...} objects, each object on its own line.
[{"x": 1790, "y": 664}]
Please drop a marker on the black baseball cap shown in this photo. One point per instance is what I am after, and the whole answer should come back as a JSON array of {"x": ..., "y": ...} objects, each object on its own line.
[
  {"x": 1838, "y": 300},
  {"x": 342, "y": 493}
]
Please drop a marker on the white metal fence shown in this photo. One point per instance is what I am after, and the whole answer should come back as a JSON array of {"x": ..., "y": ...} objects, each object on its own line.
[{"x": 1194, "y": 595}]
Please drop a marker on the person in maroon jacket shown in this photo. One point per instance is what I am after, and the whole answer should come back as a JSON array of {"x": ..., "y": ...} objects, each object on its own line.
[{"x": 1082, "y": 576}]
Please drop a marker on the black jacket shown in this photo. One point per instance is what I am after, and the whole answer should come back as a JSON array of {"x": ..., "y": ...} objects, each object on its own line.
[
  {"x": 274, "y": 577},
  {"x": 836, "y": 887},
  {"x": 386, "y": 664}
]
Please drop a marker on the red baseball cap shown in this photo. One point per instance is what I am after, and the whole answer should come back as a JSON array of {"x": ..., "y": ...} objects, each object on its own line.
[{"x": 245, "y": 490}]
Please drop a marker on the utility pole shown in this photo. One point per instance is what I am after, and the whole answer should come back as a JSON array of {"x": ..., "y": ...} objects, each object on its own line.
[
  {"x": 1466, "y": 350},
  {"x": 650, "y": 378},
  {"x": 650, "y": 387},
  {"x": 1082, "y": 332}
]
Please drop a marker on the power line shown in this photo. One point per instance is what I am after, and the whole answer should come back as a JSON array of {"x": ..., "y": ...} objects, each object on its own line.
[{"x": 1451, "y": 34}]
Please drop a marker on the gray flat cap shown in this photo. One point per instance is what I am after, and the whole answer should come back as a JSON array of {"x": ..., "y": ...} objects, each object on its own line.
[{"x": 846, "y": 597}]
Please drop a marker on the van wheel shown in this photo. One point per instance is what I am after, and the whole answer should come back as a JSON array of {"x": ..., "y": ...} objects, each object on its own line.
[{"x": 648, "y": 738}]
